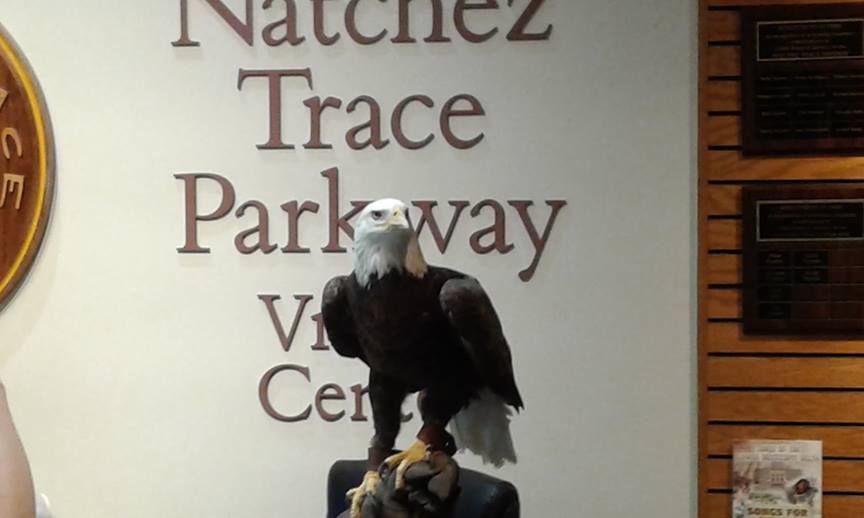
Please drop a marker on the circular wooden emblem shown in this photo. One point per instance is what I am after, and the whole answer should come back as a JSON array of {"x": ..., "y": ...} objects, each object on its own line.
[{"x": 26, "y": 167}]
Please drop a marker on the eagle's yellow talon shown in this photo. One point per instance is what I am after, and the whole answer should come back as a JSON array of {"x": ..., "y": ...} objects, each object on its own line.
[
  {"x": 418, "y": 452},
  {"x": 370, "y": 482}
]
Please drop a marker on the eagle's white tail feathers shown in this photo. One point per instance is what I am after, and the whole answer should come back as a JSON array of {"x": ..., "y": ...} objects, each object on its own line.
[{"x": 484, "y": 428}]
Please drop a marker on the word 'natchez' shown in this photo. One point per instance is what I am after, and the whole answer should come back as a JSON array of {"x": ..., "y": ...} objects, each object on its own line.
[
  {"x": 257, "y": 239},
  {"x": 286, "y": 28}
]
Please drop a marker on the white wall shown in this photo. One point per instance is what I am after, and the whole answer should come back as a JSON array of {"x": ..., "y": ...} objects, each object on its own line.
[{"x": 133, "y": 370}]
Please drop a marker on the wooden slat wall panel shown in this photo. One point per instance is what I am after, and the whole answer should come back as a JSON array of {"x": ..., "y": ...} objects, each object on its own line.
[
  {"x": 727, "y": 275},
  {"x": 802, "y": 407},
  {"x": 723, "y": 200},
  {"x": 724, "y": 303},
  {"x": 838, "y": 475},
  {"x": 730, "y": 165},
  {"x": 762, "y": 387},
  {"x": 726, "y": 338},
  {"x": 723, "y": 26},
  {"x": 724, "y": 61},
  {"x": 837, "y": 441},
  {"x": 724, "y": 234},
  {"x": 723, "y": 96},
  {"x": 724, "y": 130},
  {"x": 724, "y": 269},
  {"x": 736, "y": 3},
  {"x": 786, "y": 372},
  {"x": 720, "y": 506}
]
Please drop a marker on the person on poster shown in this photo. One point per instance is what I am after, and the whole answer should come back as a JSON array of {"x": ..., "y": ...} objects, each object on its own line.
[
  {"x": 802, "y": 492},
  {"x": 741, "y": 495}
]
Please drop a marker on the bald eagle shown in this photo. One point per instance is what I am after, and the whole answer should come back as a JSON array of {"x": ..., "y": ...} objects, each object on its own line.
[{"x": 422, "y": 329}]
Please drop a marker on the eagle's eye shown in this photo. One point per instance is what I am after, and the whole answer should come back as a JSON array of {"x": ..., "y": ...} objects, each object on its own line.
[{"x": 377, "y": 214}]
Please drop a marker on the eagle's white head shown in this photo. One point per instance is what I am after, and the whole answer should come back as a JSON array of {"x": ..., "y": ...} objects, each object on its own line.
[{"x": 384, "y": 241}]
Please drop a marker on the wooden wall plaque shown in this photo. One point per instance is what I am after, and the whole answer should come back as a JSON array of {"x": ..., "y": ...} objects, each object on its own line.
[
  {"x": 803, "y": 259},
  {"x": 26, "y": 167},
  {"x": 803, "y": 79}
]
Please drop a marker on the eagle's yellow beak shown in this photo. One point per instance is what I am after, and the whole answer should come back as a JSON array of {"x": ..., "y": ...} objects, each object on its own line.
[{"x": 397, "y": 219}]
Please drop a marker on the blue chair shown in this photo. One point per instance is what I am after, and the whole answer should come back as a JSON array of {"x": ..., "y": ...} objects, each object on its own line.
[{"x": 482, "y": 496}]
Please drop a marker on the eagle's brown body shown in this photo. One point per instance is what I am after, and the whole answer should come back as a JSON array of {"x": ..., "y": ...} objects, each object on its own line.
[
  {"x": 411, "y": 341},
  {"x": 420, "y": 328},
  {"x": 438, "y": 334}
]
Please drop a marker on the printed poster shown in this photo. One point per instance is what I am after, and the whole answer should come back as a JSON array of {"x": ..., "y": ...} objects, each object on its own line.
[{"x": 777, "y": 478}]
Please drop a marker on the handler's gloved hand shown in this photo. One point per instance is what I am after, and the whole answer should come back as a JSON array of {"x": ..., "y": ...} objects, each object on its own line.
[{"x": 431, "y": 491}]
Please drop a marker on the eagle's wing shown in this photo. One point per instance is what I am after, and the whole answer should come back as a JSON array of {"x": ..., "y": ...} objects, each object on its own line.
[
  {"x": 338, "y": 320},
  {"x": 472, "y": 316}
]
